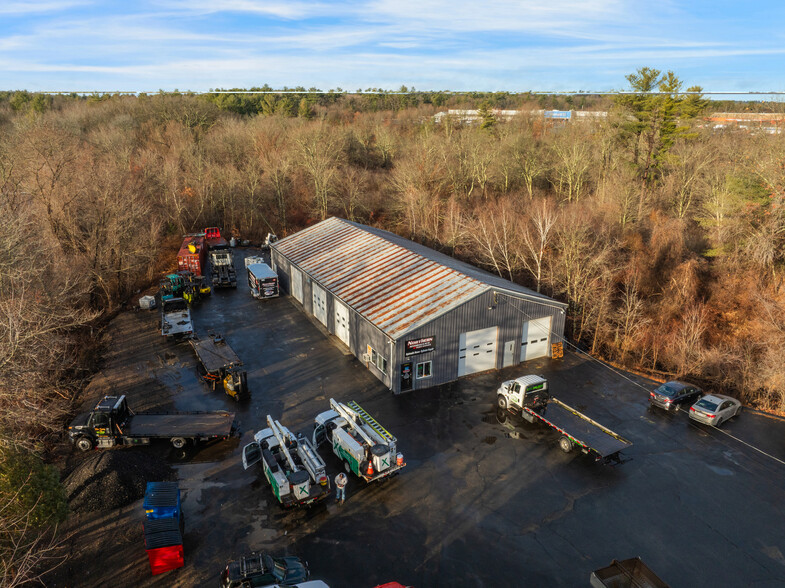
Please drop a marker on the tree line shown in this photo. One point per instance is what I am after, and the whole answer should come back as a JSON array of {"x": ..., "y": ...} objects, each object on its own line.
[{"x": 664, "y": 237}]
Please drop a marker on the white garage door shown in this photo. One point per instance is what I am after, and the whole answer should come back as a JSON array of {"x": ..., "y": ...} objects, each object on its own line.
[
  {"x": 297, "y": 285},
  {"x": 319, "y": 304},
  {"x": 536, "y": 338},
  {"x": 342, "y": 323},
  {"x": 477, "y": 351}
]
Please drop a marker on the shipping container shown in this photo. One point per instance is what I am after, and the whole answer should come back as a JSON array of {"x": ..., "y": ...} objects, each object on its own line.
[{"x": 192, "y": 256}]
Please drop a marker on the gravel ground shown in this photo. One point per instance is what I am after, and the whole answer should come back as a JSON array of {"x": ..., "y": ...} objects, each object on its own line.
[{"x": 107, "y": 480}]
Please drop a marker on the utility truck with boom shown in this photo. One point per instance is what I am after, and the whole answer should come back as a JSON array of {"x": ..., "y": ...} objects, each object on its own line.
[
  {"x": 368, "y": 449},
  {"x": 294, "y": 470},
  {"x": 529, "y": 397},
  {"x": 112, "y": 423}
]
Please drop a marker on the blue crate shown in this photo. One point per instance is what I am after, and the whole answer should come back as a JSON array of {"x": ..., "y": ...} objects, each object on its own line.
[{"x": 162, "y": 500}]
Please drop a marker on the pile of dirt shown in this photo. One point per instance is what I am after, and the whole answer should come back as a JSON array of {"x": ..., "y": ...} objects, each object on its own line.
[{"x": 106, "y": 480}]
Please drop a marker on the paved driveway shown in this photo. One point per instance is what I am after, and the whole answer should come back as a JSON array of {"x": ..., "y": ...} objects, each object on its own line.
[{"x": 481, "y": 502}]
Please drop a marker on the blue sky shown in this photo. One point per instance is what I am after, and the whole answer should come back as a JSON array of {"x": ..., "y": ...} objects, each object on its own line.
[{"x": 539, "y": 45}]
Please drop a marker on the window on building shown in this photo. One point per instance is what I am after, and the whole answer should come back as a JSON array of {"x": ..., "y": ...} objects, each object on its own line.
[
  {"x": 423, "y": 370},
  {"x": 378, "y": 360}
]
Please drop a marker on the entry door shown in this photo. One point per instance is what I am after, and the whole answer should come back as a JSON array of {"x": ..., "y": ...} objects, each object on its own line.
[
  {"x": 536, "y": 338},
  {"x": 319, "y": 304},
  {"x": 477, "y": 351},
  {"x": 342, "y": 322},
  {"x": 509, "y": 353},
  {"x": 297, "y": 284}
]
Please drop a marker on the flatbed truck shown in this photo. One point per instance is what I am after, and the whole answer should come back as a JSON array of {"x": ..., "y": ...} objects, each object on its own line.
[
  {"x": 112, "y": 423},
  {"x": 368, "y": 449},
  {"x": 627, "y": 573},
  {"x": 218, "y": 363},
  {"x": 295, "y": 472},
  {"x": 529, "y": 397}
]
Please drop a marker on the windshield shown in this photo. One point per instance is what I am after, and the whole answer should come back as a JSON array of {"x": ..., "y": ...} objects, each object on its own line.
[
  {"x": 279, "y": 569},
  {"x": 668, "y": 390},
  {"x": 706, "y": 404}
]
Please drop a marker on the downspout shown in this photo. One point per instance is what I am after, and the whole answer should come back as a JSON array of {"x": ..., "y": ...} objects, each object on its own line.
[{"x": 391, "y": 364}]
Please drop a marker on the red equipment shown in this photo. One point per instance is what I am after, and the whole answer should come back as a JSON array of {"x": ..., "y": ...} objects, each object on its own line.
[{"x": 192, "y": 256}]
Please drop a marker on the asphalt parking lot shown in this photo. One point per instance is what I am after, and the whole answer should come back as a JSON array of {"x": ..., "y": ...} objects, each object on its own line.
[{"x": 484, "y": 500}]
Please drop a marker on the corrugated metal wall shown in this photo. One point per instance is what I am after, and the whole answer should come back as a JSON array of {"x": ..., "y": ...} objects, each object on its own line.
[
  {"x": 506, "y": 311},
  {"x": 362, "y": 333}
]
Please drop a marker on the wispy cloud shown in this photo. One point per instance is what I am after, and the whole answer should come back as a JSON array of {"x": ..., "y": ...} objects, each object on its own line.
[
  {"x": 33, "y": 7},
  {"x": 501, "y": 44}
]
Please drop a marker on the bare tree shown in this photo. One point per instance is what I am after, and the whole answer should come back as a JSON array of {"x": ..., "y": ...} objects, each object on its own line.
[{"x": 536, "y": 236}]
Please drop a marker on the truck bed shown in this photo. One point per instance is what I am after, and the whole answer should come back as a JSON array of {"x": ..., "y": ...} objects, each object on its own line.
[
  {"x": 629, "y": 573},
  {"x": 214, "y": 356},
  {"x": 180, "y": 424},
  {"x": 583, "y": 429}
]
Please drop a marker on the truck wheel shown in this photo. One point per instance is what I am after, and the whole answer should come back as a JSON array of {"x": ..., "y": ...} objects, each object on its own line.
[
  {"x": 84, "y": 444},
  {"x": 178, "y": 442},
  {"x": 565, "y": 444},
  {"x": 502, "y": 402}
]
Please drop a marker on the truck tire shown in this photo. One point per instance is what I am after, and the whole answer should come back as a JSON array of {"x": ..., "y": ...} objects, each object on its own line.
[
  {"x": 84, "y": 444},
  {"x": 565, "y": 444},
  {"x": 178, "y": 442},
  {"x": 502, "y": 402}
]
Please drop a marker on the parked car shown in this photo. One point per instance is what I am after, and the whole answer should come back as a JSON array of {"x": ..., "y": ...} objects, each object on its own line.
[
  {"x": 257, "y": 570},
  {"x": 672, "y": 394},
  {"x": 715, "y": 409}
]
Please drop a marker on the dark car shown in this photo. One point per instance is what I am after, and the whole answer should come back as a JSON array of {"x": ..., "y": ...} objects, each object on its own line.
[
  {"x": 257, "y": 570},
  {"x": 671, "y": 394}
]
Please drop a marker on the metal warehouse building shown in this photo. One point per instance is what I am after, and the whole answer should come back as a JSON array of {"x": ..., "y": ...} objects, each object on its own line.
[{"x": 416, "y": 317}]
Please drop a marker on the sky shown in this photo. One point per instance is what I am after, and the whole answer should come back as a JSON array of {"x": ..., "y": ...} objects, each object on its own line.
[{"x": 459, "y": 45}]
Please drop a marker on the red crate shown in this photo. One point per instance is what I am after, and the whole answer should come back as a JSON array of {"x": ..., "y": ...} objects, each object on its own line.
[{"x": 164, "y": 559}]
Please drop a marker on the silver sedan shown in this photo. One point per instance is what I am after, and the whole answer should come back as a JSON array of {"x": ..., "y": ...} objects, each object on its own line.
[{"x": 715, "y": 409}]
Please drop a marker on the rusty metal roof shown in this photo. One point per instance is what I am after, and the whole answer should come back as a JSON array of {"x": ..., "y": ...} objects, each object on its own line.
[{"x": 394, "y": 283}]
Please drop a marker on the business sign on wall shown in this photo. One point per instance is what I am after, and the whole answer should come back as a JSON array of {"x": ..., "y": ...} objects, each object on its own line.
[{"x": 421, "y": 345}]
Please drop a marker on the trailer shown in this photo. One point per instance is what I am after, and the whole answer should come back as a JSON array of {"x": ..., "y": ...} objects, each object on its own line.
[
  {"x": 368, "y": 449},
  {"x": 295, "y": 472},
  {"x": 529, "y": 397},
  {"x": 112, "y": 423},
  {"x": 219, "y": 364},
  {"x": 262, "y": 280},
  {"x": 192, "y": 256},
  {"x": 628, "y": 573}
]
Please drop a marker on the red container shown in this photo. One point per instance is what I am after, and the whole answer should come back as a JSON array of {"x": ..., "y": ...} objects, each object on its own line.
[
  {"x": 164, "y": 559},
  {"x": 192, "y": 255},
  {"x": 214, "y": 239}
]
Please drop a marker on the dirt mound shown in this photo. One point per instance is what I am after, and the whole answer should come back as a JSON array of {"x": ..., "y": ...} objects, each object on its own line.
[{"x": 110, "y": 479}]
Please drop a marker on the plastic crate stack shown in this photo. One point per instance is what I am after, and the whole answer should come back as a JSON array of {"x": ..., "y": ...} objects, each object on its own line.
[{"x": 163, "y": 526}]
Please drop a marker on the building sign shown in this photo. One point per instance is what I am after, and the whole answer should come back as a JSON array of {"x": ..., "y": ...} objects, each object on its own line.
[{"x": 421, "y": 345}]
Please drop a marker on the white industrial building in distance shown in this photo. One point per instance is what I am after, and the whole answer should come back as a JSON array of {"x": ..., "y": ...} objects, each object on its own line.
[{"x": 416, "y": 317}]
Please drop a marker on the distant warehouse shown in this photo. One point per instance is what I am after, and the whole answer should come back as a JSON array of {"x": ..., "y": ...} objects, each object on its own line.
[{"x": 415, "y": 317}]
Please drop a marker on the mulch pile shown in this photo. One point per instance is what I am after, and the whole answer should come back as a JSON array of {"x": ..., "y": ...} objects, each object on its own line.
[{"x": 107, "y": 480}]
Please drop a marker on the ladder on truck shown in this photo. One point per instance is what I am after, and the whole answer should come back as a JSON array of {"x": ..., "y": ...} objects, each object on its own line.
[
  {"x": 372, "y": 422},
  {"x": 281, "y": 436}
]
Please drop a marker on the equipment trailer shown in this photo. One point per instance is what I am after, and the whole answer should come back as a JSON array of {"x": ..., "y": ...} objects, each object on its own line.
[
  {"x": 367, "y": 448},
  {"x": 529, "y": 397},
  {"x": 219, "y": 363},
  {"x": 294, "y": 470},
  {"x": 112, "y": 423}
]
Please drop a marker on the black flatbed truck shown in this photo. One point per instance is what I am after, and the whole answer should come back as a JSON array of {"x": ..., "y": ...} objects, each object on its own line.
[{"x": 112, "y": 423}]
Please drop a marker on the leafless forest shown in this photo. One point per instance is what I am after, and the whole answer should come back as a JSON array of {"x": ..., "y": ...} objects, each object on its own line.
[{"x": 664, "y": 236}]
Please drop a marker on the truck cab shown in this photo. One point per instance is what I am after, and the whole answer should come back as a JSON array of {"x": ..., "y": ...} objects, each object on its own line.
[
  {"x": 101, "y": 426},
  {"x": 526, "y": 391}
]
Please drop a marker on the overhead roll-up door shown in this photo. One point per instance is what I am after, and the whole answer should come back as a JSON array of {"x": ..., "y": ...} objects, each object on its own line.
[
  {"x": 536, "y": 338},
  {"x": 477, "y": 351}
]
